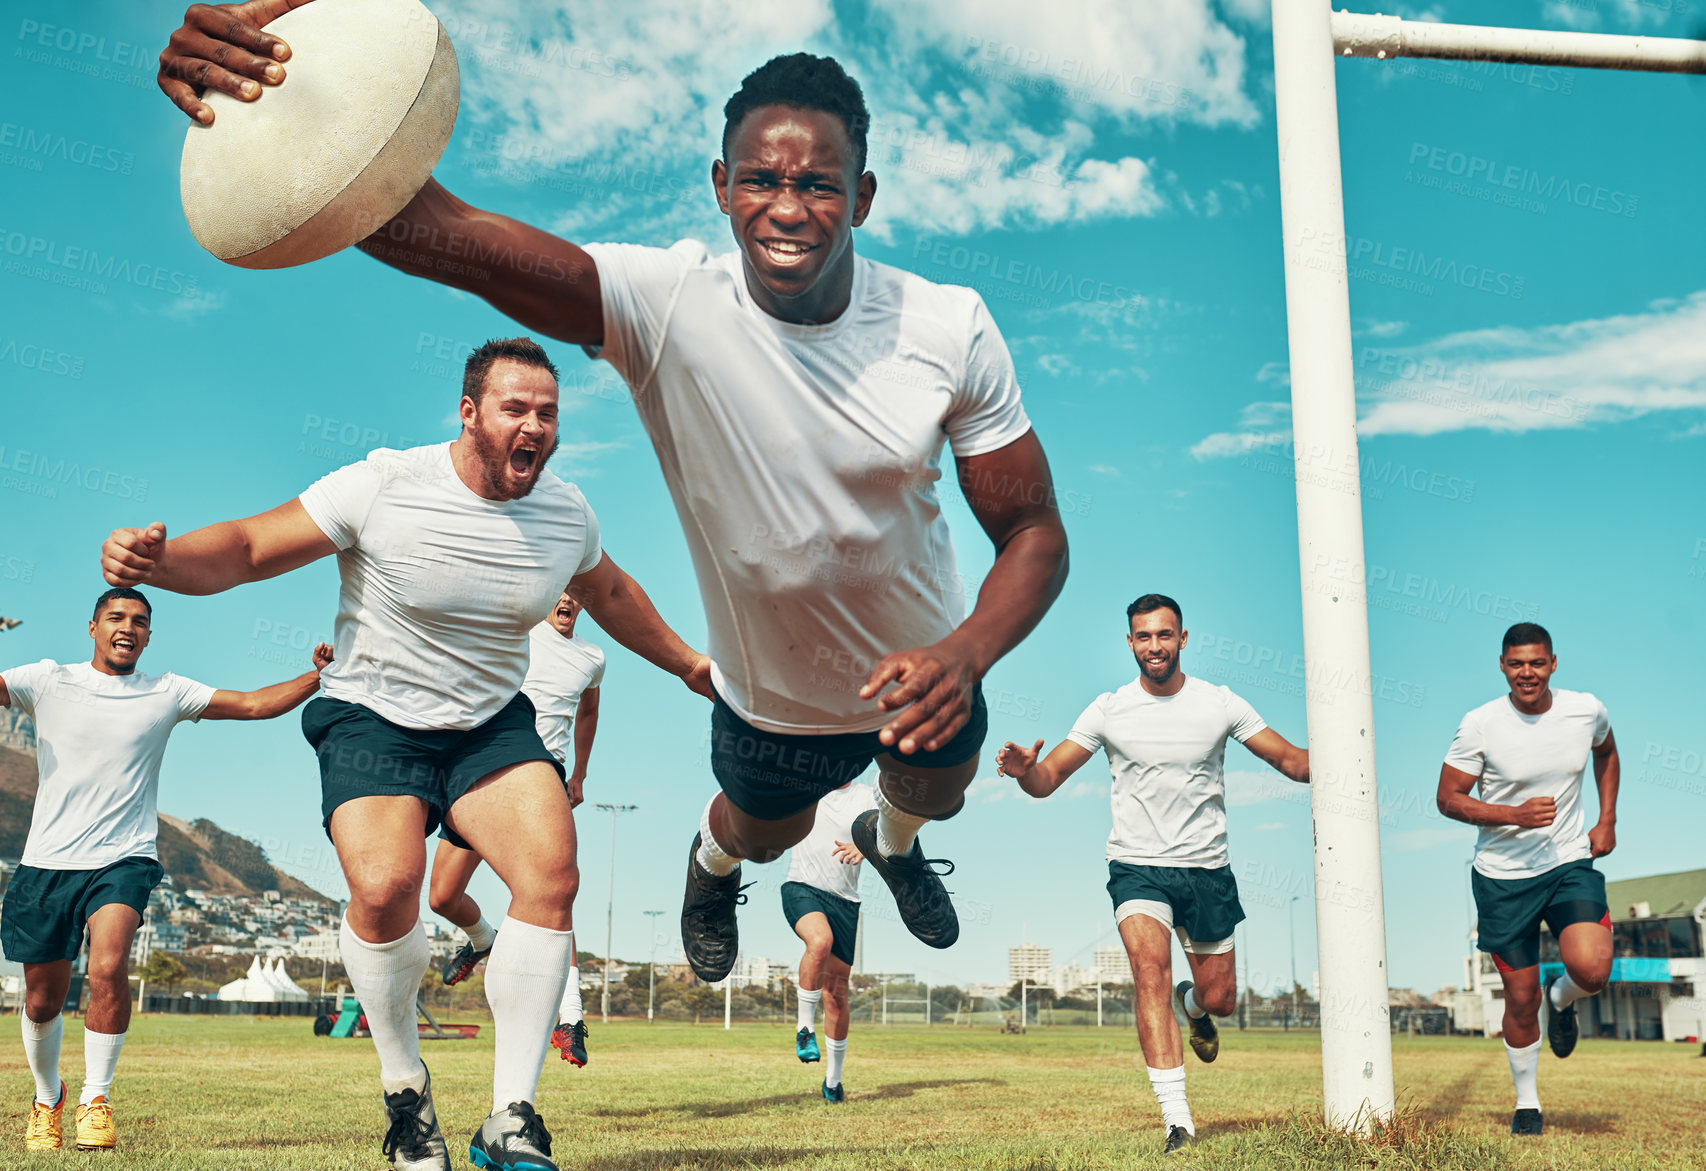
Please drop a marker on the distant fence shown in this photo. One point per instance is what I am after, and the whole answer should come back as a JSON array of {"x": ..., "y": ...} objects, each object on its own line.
[{"x": 203, "y": 1005}]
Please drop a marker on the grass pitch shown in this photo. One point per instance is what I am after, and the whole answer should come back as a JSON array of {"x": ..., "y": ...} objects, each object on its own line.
[{"x": 198, "y": 1093}]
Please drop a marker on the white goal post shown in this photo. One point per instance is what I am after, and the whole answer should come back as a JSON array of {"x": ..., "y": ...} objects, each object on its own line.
[{"x": 1356, "y": 1043}]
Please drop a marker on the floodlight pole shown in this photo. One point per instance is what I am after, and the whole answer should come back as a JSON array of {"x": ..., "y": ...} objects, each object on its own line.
[
  {"x": 1356, "y": 1042},
  {"x": 652, "y": 979},
  {"x": 610, "y": 908}
]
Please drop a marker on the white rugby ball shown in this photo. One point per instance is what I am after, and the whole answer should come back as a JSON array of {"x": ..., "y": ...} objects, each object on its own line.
[{"x": 331, "y": 155}]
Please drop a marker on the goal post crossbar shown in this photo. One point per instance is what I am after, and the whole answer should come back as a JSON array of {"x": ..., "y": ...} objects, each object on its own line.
[{"x": 1361, "y": 34}]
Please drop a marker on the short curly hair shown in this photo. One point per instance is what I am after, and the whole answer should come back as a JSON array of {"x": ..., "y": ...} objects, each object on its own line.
[{"x": 807, "y": 83}]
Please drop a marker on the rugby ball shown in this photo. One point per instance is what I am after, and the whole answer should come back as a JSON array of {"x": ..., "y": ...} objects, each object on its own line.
[{"x": 331, "y": 155}]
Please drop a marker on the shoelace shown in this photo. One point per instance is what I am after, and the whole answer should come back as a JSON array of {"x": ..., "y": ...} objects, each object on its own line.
[
  {"x": 532, "y": 1128},
  {"x": 408, "y": 1132},
  {"x": 577, "y": 1031}
]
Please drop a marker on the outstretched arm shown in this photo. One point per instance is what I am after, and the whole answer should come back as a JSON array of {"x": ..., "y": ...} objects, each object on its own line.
[
  {"x": 272, "y": 701},
  {"x": 1281, "y": 753},
  {"x": 622, "y": 609},
  {"x": 214, "y": 559},
  {"x": 1040, "y": 778},
  {"x": 541, "y": 281}
]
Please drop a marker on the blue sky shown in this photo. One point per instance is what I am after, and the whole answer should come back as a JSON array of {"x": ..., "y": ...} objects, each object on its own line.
[{"x": 1526, "y": 255}]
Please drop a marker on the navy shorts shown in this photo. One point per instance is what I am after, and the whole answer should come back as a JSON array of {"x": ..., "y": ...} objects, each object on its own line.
[
  {"x": 1508, "y": 911},
  {"x": 774, "y": 775},
  {"x": 1204, "y": 900},
  {"x": 45, "y": 911},
  {"x": 365, "y": 755},
  {"x": 800, "y": 899}
]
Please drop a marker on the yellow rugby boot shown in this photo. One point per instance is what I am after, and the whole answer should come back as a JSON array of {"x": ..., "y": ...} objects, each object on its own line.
[
  {"x": 95, "y": 1126},
  {"x": 43, "y": 1133}
]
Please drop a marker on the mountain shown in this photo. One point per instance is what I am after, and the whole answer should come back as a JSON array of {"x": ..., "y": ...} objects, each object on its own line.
[{"x": 197, "y": 854}]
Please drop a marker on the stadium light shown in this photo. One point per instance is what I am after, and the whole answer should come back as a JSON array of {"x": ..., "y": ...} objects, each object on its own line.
[
  {"x": 652, "y": 980},
  {"x": 610, "y": 909},
  {"x": 1350, "y": 931}
]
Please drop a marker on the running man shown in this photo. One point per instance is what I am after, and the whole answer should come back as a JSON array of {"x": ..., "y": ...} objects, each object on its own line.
[
  {"x": 90, "y": 858},
  {"x": 798, "y": 398},
  {"x": 448, "y": 556},
  {"x": 821, "y": 901},
  {"x": 1534, "y": 858},
  {"x": 1165, "y": 735},
  {"x": 564, "y": 673}
]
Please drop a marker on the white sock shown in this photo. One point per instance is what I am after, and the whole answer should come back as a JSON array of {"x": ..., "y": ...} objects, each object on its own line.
[
  {"x": 1192, "y": 1008},
  {"x": 1566, "y": 992},
  {"x": 1169, "y": 1087},
  {"x": 100, "y": 1058},
  {"x": 41, "y": 1049},
  {"x": 711, "y": 856},
  {"x": 386, "y": 978},
  {"x": 481, "y": 934},
  {"x": 896, "y": 828},
  {"x": 524, "y": 986},
  {"x": 809, "y": 1000},
  {"x": 1525, "y": 1072},
  {"x": 570, "y": 1010},
  {"x": 837, "y": 1054}
]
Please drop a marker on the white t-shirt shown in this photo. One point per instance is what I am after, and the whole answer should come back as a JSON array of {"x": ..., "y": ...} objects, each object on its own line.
[
  {"x": 1520, "y": 756},
  {"x": 814, "y": 862},
  {"x": 99, "y": 742},
  {"x": 560, "y": 670},
  {"x": 441, "y": 586},
  {"x": 803, "y": 461},
  {"x": 1167, "y": 754}
]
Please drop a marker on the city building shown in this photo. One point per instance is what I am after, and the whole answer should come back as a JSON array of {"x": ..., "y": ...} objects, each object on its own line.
[
  {"x": 1113, "y": 966},
  {"x": 1030, "y": 962}
]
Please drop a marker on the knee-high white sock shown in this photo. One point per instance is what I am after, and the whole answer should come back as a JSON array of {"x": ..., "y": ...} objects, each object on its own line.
[
  {"x": 837, "y": 1054},
  {"x": 1525, "y": 1072},
  {"x": 1566, "y": 992},
  {"x": 711, "y": 856},
  {"x": 41, "y": 1050},
  {"x": 386, "y": 978},
  {"x": 481, "y": 934},
  {"x": 570, "y": 1010},
  {"x": 524, "y": 986},
  {"x": 896, "y": 828},
  {"x": 809, "y": 1000},
  {"x": 1169, "y": 1087},
  {"x": 100, "y": 1058}
]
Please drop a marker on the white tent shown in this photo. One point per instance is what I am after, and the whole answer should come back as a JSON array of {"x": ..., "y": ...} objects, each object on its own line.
[{"x": 263, "y": 984}]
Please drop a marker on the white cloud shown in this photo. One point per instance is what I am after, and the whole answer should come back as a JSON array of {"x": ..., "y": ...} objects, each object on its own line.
[
  {"x": 1249, "y": 787},
  {"x": 1108, "y": 470},
  {"x": 1412, "y": 840},
  {"x": 580, "y": 460},
  {"x": 980, "y": 122},
  {"x": 1598, "y": 371},
  {"x": 1382, "y": 329}
]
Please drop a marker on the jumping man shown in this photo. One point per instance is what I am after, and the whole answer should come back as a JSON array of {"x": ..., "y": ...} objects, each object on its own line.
[
  {"x": 90, "y": 858},
  {"x": 798, "y": 398},
  {"x": 1165, "y": 735}
]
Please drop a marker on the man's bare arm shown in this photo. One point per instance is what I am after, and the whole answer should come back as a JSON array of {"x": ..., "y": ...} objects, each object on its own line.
[
  {"x": 1281, "y": 754},
  {"x": 1039, "y": 778},
  {"x": 269, "y": 702},
  {"x": 586, "y": 727},
  {"x": 218, "y": 557},
  {"x": 1455, "y": 802},
  {"x": 622, "y": 609},
  {"x": 541, "y": 281},
  {"x": 1607, "y": 770}
]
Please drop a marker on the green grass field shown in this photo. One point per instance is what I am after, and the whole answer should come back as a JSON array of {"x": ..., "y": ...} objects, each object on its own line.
[{"x": 212, "y": 1092}]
